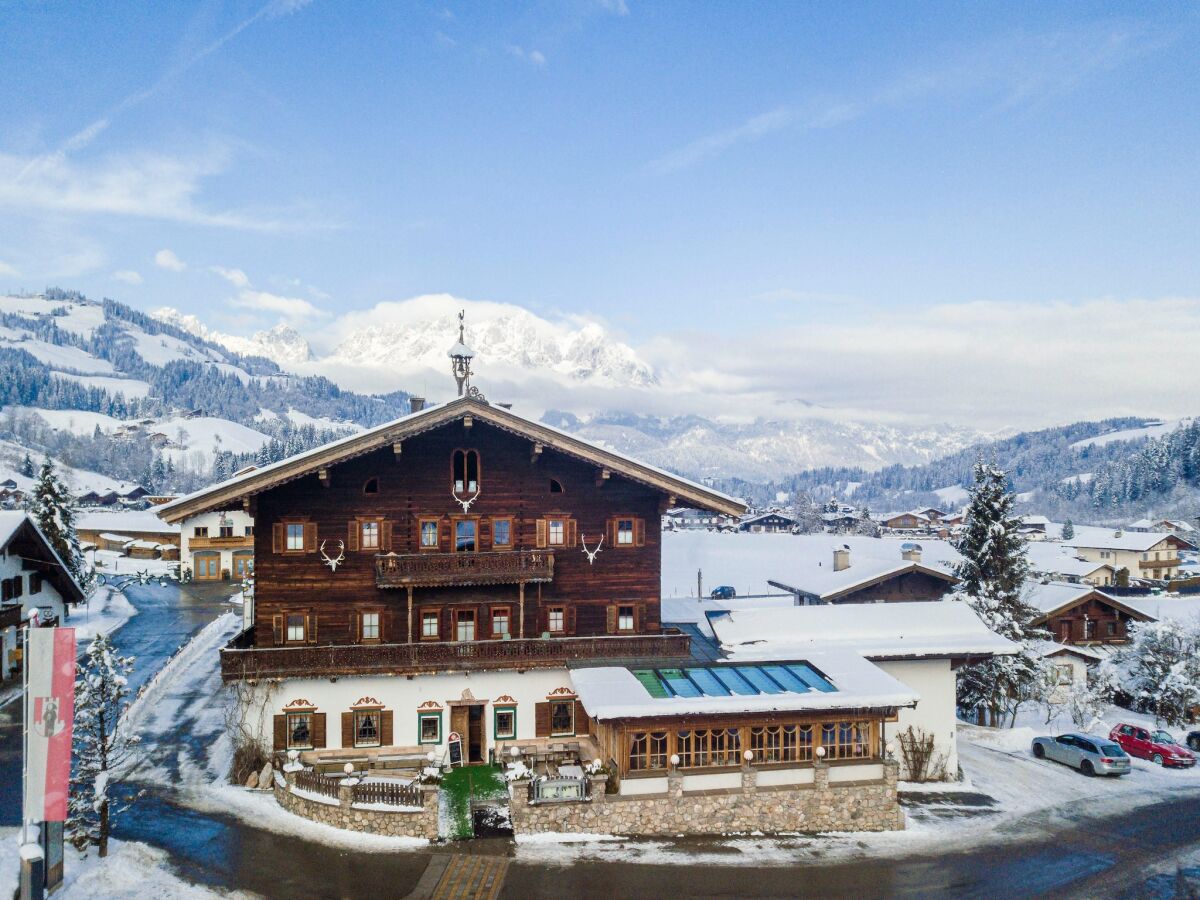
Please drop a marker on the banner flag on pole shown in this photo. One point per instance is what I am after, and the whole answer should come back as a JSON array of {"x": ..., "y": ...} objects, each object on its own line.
[{"x": 51, "y": 710}]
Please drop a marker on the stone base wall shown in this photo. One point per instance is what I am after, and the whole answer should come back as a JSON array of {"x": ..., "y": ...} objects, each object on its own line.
[
  {"x": 418, "y": 824},
  {"x": 820, "y": 806}
]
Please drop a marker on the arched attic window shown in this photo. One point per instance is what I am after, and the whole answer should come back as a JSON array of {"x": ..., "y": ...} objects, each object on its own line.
[
  {"x": 465, "y": 471},
  {"x": 372, "y": 486},
  {"x": 556, "y": 486}
]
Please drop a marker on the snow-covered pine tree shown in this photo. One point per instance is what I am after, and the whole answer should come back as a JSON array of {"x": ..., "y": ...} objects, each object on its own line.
[
  {"x": 101, "y": 748},
  {"x": 26, "y": 467},
  {"x": 992, "y": 575},
  {"x": 1068, "y": 530},
  {"x": 1161, "y": 665},
  {"x": 53, "y": 509}
]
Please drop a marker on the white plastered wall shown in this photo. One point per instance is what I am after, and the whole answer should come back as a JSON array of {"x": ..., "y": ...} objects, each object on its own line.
[{"x": 935, "y": 713}]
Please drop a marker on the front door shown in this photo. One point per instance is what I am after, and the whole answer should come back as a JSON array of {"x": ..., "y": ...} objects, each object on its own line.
[
  {"x": 207, "y": 567},
  {"x": 460, "y": 722},
  {"x": 476, "y": 741}
]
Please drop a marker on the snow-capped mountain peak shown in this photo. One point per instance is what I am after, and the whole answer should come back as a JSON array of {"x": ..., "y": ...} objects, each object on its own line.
[{"x": 281, "y": 344}]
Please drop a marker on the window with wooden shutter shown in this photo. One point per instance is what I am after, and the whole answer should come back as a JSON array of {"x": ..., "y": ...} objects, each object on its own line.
[
  {"x": 385, "y": 537},
  {"x": 312, "y": 627},
  {"x": 355, "y": 628},
  {"x": 347, "y": 729},
  {"x": 611, "y": 617},
  {"x": 385, "y": 728},
  {"x": 581, "y": 719},
  {"x": 318, "y": 739},
  {"x": 541, "y": 533},
  {"x": 277, "y": 629},
  {"x": 541, "y": 719},
  {"x": 280, "y": 741},
  {"x": 277, "y": 537},
  {"x": 572, "y": 533},
  {"x": 352, "y": 535},
  {"x": 310, "y": 537},
  {"x": 639, "y": 532},
  {"x": 571, "y": 619}
]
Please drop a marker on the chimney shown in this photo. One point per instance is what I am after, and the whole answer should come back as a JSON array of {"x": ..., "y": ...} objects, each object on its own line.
[
  {"x": 841, "y": 559},
  {"x": 416, "y": 404},
  {"x": 911, "y": 553}
]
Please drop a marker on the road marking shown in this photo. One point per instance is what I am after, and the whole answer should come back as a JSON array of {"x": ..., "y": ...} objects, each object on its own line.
[{"x": 474, "y": 877}]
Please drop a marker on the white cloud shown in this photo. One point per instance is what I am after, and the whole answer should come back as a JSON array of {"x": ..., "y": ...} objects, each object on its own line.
[
  {"x": 533, "y": 57},
  {"x": 288, "y": 307},
  {"x": 129, "y": 276},
  {"x": 714, "y": 144},
  {"x": 236, "y": 277},
  {"x": 166, "y": 259},
  {"x": 8, "y": 270},
  {"x": 616, "y": 7}
]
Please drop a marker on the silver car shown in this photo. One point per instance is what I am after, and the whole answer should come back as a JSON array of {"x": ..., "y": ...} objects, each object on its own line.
[{"x": 1090, "y": 755}]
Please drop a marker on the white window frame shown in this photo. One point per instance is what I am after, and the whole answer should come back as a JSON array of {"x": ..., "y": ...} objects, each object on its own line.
[
  {"x": 291, "y": 631},
  {"x": 295, "y": 536},
  {"x": 369, "y": 535},
  {"x": 558, "y": 613},
  {"x": 556, "y": 532},
  {"x": 370, "y": 626}
]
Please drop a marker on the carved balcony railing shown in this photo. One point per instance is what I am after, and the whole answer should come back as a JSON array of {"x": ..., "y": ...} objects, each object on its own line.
[
  {"x": 237, "y": 541},
  {"x": 1158, "y": 563},
  {"x": 443, "y": 569},
  {"x": 241, "y": 660}
]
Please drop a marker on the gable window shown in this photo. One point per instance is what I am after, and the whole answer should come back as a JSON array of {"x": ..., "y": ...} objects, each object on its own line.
[
  {"x": 466, "y": 471},
  {"x": 464, "y": 536},
  {"x": 625, "y": 618},
  {"x": 1089, "y": 629},
  {"x": 372, "y": 486},
  {"x": 370, "y": 626},
  {"x": 429, "y": 534},
  {"x": 369, "y": 535},
  {"x": 299, "y": 731},
  {"x": 226, "y": 531},
  {"x": 35, "y": 582},
  {"x": 1111, "y": 628},
  {"x": 505, "y": 723},
  {"x": 429, "y": 728},
  {"x": 249, "y": 531},
  {"x": 295, "y": 536},
  {"x": 556, "y": 530},
  {"x": 501, "y": 617},
  {"x": 295, "y": 627},
  {"x": 200, "y": 531},
  {"x": 624, "y": 532},
  {"x": 562, "y": 717},
  {"x": 501, "y": 533},
  {"x": 430, "y": 625},
  {"x": 366, "y": 728},
  {"x": 464, "y": 625},
  {"x": 556, "y": 486},
  {"x": 556, "y": 619}
]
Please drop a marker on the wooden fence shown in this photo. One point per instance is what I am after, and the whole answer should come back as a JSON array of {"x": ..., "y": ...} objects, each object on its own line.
[{"x": 389, "y": 794}]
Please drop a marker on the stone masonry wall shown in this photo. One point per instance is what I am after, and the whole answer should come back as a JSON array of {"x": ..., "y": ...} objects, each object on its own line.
[
  {"x": 820, "y": 806},
  {"x": 422, "y": 824}
]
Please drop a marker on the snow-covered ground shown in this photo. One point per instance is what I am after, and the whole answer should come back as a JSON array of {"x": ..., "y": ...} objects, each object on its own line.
[{"x": 106, "y": 610}]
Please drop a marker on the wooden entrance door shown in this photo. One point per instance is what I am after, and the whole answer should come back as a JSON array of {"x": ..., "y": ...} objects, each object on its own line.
[
  {"x": 207, "y": 568},
  {"x": 459, "y": 722},
  {"x": 468, "y": 720}
]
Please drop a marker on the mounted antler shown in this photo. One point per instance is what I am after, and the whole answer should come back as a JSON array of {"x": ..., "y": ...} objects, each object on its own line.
[
  {"x": 466, "y": 504},
  {"x": 337, "y": 561},
  {"x": 590, "y": 554}
]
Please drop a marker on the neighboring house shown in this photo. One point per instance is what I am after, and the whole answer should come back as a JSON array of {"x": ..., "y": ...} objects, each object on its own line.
[
  {"x": 847, "y": 577},
  {"x": 435, "y": 574},
  {"x": 1071, "y": 663},
  {"x": 918, "y": 644},
  {"x": 1034, "y": 527},
  {"x": 1055, "y": 562},
  {"x": 1181, "y": 527},
  {"x": 1082, "y": 614},
  {"x": 767, "y": 523},
  {"x": 218, "y": 546},
  {"x": 31, "y": 577},
  {"x": 913, "y": 519},
  {"x": 1145, "y": 555},
  {"x": 693, "y": 519},
  {"x": 112, "y": 530}
]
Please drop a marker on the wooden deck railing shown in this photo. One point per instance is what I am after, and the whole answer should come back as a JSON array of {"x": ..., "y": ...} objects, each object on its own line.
[
  {"x": 391, "y": 794},
  {"x": 242, "y": 660},
  {"x": 317, "y": 784},
  {"x": 438, "y": 569}
]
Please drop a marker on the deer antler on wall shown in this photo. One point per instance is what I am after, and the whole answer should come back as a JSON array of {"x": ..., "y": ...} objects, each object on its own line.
[
  {"x": 466, "y": 504},
  {"x": 336, "y": 561},
  {"x": 590, "y": 554}
]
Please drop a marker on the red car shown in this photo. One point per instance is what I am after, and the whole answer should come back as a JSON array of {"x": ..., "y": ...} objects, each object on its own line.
[{"x": 1156, "y": 746}]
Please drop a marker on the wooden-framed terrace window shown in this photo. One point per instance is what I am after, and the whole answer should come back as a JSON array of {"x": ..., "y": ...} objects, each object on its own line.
[
  {"x": 626, "y": 532},
  {"x": 431, "y": 624},
  {"x": 846, "y": 740},
  {"x": 294, "y": 536},
  {"x": 625, "y": 618},
  {"x": 295, "y": 628},
  {"x": 647, "y": 751},
  {"x": 556, "y": 619},
  {"x": 429, "y": 727},
  {"x": 501, "y": 620},
  {"x": 504, "y": 723},
  {"x": 464, "y": 624},
  {"x": 502, "y": 533},
  {"x": 562, "y": 717},
  {"x": 200, "y": 531},
  {"x": 370, "y": 626},
  {"x": 427, "y": 531}
]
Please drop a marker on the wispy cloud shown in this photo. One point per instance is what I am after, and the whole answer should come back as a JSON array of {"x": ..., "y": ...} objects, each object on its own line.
[
  {"x": 288, "y": 307},
  {"x": 129, "y": 276},
  {"x": 533, "y": 57},
  {"x": 166, "y": 259},
  {"x": 998, "y": 75},
  {"x": 616, "y": 7},
  {"x": 236, "y": 277}
]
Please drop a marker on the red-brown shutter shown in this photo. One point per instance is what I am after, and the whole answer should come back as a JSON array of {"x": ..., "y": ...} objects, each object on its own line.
[
  {"x": 541, "y": 533},
  {"x": 582, "y": 722},
  {"x": 448, "y": 624},
  {"x": 277, "y": 537},
  {"x": 639, "y": 612},
  {"x": 446, "y": 538},
  {"x": 310, "y": 537},
  {"x": 347, "y": 729},
  {"x": 280, "y": 733},
  {"x": 355, "y": 627},
  {"x": 277, "y": 628},
  {"x": 385, "y": 537},
  {"x": 352, "y": 535},
  {"x": 318, "y": 736},
  {"x": 570, "y": 623},
  {"x": 311, "y": 627},
  {"x": 385, "y": 728},
  {"x": 571, "y": 536},
  {"x": 541, "y": 719},
  {"x": 639, "y": 532},
  {"x": 611, "y": 613}
]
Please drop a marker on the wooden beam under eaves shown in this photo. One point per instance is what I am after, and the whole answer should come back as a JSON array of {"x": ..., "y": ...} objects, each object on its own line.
[
  {"x": 396, "y": 448},
  {"x": 323, "y": 474},
  {"x": 536, "y": 453},
  {"x": 468, "y": 421},
  {"x": 602, "y": 476}
]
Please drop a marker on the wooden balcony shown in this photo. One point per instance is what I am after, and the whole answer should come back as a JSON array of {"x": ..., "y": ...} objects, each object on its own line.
[
  {"x": 236, "y": 542},
  {"x": 395, "y": 570},
  {"x": 241, "y": 660},
  {"x": 1158, "y": 563}
]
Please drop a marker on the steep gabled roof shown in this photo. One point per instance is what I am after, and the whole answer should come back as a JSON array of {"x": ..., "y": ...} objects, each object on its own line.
[
  {"x": 229, "y": 494},
  {"x": 21, "y": 533},
  {"x": 1055, "y": 597}
]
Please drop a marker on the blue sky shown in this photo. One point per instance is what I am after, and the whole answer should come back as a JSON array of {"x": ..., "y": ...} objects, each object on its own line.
[{"x": 663, "y": 167}]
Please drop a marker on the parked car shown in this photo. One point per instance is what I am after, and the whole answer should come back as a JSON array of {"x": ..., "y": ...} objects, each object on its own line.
[
  {"x": 724, "y": 592},
  {"x": 1090, "y": 755},
  {"x": 1157, "y": 746},
  {"x": 1193, "y": 740}
]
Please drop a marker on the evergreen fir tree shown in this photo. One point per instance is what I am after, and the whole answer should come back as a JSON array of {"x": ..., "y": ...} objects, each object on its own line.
[
  {"x": 1068, "y": 530},
  {"x": 101, "y": 748},
  {"x": 53, "y": 509},
  {"x": 26, "y": 468},
  {"x": 992, "y": 574}
]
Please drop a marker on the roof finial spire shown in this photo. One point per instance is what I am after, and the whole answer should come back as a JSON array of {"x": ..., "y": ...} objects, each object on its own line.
[{"x": 460, "y": 362}]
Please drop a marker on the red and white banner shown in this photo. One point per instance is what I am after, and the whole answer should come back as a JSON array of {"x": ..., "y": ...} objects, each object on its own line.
[{"x": 51, "y": 659}]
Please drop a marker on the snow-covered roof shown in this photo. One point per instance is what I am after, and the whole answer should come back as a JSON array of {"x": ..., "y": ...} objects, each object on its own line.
[
  {"x": 1043, "y": 649},
  {"x": 113, "y": 536},
  {"x": 759, "y": 563},
  {"x": 1059, "y": 559},
  {"x": 265, "y": 477},
  {"x": 1116, "y": 539},
  {"x": 616, "y": 692},
  {"x": 750, "y": 520},
  {"x": 143, "y": 545},
  {"x": 938, "y": 628},
  {"x": 11, "y": 522},
  {"x": 1055, "y": 595},
  {"x": 693, "y": 611},
  {"x": 128, "y": 520}
]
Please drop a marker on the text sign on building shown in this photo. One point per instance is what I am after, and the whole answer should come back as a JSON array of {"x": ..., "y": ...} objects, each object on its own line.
[{"x": 455, "y": 746}]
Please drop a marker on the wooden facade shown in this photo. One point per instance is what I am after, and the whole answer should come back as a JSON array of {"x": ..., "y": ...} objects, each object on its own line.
[
  {"x": 1094, "y": 618},
  {"x": 913, "y": 585}
]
